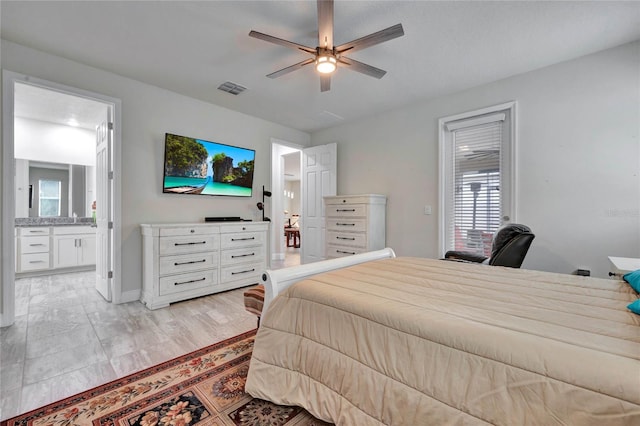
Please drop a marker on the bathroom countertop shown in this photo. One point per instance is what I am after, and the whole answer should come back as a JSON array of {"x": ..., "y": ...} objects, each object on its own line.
[{"x": 53, "y": 221}]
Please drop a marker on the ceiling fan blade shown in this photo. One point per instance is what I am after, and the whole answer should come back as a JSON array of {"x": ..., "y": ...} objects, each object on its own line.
[
  {"x": 281, "y": 42},
  {"x": 371, "y": 39},
  {"x": 325, "y": 24},
  {"x": 291, "y": 68},
  {"x": 354, "y": 65},
  {"x": 325, "y": 83}
]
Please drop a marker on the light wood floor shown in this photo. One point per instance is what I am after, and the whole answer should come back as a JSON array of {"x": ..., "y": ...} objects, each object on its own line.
[{"x": 67, "y": 339}]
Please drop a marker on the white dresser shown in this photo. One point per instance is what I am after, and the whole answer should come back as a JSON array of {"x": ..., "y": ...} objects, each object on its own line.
[
  {"x": 354, "y": 224},
  {"x": 186, "y": 260}
]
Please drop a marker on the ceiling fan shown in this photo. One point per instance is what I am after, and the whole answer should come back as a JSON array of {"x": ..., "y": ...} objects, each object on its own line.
[{"x": 326, "y": 56}]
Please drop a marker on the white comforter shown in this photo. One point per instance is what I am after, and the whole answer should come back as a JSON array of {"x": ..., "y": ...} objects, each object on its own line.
[{"x": 412, "y": 341}]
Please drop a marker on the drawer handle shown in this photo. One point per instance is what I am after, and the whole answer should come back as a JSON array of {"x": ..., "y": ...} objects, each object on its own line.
[
  {"x": 189, "y": 244},
  {"x": 37, "y": 232},
  {"x": 243, "y": 239},
  {"x": 189, "y": 263},
  {"x": 189, "y": 282},
  {"x": 345, "y": 238},
  {"x": 243, "y": 255},
  {"x": 36, "y": 245},
  {"x": 243, "y": 272},
  {"x": 345, "y": 210},
  {"x": 36, "y": 261},
  {"x": 345, "y": 252},
  {"x": 345, "y": 224}
]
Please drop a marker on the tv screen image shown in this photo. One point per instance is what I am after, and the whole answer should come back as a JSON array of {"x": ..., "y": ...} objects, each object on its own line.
[{"x": 199, "y": 167}]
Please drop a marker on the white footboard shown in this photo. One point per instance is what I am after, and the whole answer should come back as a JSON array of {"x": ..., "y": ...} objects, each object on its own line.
[{"x": 276, "y": 281}]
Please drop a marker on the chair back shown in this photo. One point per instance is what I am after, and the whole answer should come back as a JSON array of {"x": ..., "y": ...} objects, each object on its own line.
[{"x": 510, "y": 245}]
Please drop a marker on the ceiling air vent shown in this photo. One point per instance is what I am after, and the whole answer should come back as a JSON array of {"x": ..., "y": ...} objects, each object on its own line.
[{"x": 234, "y": 89}]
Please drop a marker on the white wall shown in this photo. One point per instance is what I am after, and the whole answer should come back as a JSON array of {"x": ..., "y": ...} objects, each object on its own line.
[
  {"x": 53, "y": 143},
  {"x": 578, "y": 161},
  {"x": 147, "y": 113}
]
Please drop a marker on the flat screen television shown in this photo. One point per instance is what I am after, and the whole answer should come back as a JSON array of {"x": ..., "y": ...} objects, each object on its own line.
[{"x": 199, "y": 167}]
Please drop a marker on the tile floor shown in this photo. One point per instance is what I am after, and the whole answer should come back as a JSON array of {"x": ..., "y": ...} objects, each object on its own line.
[{"x": 67, "y": 339}]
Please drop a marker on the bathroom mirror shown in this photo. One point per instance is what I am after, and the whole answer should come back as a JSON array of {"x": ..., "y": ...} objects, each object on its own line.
[{"x": 53, "y": 189}]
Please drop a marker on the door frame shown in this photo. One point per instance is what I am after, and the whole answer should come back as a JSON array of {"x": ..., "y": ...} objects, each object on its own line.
[
  {"x": 9, "y": 78},
  {"x": 511, "y": 108},
  {"x": 278, "y": 149}
]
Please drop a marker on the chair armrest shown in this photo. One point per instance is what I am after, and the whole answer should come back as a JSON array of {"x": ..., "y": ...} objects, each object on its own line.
[{"x": 464, "y": 256}]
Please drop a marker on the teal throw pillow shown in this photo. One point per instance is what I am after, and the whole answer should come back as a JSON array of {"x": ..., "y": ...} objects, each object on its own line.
[
  {"x": 633, "y": 278},
  {"x": 635, "y": 307}
]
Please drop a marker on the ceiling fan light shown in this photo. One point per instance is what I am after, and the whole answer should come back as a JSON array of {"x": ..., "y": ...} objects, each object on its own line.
[{"x": 326, "y": 64}]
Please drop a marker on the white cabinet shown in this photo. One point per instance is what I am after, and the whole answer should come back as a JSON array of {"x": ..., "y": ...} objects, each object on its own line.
[
  {"x": 74, "y": 246},
  {"x": 354, "y": 224},
  {"x": 33, "y": 249},
  {"x": 182, "y": 261},
  {"x": 47, "y": 248}
]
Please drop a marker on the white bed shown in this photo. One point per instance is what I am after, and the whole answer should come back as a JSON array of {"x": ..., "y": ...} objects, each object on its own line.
[{"x": 407, "y": 341}]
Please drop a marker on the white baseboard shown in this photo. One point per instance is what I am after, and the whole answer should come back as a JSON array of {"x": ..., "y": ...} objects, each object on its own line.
[
  {"x": 2, "y": 324},
  {"x": 129, "y": 296}
]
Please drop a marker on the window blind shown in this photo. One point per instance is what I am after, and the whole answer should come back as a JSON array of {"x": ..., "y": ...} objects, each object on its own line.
[{"x": 476, "y": 198}]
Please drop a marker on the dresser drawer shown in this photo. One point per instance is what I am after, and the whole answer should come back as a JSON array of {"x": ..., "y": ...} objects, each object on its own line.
[
  {"x": 341, "y": 251},
  {"x": 249, "y": 272},
  {"x": 34, "y": 244},
  {"x": 349, "y": 210},
  {"x": 346, "y": 239},
  {"x": 243, "y": 227},
  {"x": 34, "y": 262},
  {"x": 242, "y": 255},
  {"x": 186, "y": 282},
  {"x": 188, "y": 244},
  {"x": 188, "y": 262},
  {"x": 241, "y": 239},
  {"x": 33, "y": 231},
  {"x": 346, "y": 224},
  {"x": 185, "y": 231}
]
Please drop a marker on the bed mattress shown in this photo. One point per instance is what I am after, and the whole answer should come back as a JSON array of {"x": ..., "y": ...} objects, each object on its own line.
[{"x": 411, "y": 341}]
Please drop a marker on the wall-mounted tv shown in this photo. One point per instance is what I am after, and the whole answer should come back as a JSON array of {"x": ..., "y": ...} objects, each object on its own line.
[{"x": 195, "y": 166}]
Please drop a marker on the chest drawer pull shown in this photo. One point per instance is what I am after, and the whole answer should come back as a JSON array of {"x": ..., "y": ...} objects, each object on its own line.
[
  {"x": 345, "y": 252},
  {"x": 243, "y": 255},
  {"x": 345, "y": 210},
  {"x": 346, "y": 238},
  {"x": 243, "y": 272},
  {"x": 243, "y": 239},
  {"x": 190, "y": 281},
  {"x": 189, "y": 263},
  {"x": 189, "y": 244},
  {"x": 36, "y": 261},
  {"x": 345, "y": 224},
  {"x": 36, "y": 245}
]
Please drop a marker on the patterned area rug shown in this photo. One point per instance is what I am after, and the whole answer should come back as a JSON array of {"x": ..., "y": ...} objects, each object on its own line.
[{"x": 203, "y": 388}]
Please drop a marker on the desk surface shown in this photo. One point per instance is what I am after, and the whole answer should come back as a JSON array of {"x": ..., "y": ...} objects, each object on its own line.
[{"x": 624, "y": 264}]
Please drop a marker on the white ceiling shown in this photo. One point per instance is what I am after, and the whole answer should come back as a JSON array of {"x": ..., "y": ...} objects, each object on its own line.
[
  {"x": 41, "y": 104},
  {"x": 192, "y": 47}
]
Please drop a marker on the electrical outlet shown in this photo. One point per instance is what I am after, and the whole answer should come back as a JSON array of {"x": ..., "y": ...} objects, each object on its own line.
[
  {"x": 583, "y": 272},
  {"x": 427, "y": 210}
]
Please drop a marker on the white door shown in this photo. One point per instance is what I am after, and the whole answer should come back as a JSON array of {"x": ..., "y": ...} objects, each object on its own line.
[
  {"x": 317, "y": 179},
  {"x": 104, "y": 218}
]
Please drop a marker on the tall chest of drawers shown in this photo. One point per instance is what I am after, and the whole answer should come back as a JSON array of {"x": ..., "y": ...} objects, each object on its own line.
[
  {"x": 354, "y": 224},
  {"x": 183, "y": 261}
]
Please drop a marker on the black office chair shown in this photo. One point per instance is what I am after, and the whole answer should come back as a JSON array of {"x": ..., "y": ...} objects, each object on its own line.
[{"x": 509, "y": 247}]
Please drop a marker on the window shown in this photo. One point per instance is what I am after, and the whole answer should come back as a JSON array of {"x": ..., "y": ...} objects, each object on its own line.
[
  {"x": 49, "y": 198},
  {"x": 476, "y": 178}
]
